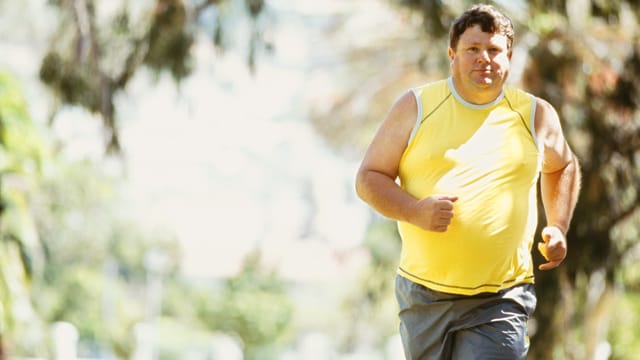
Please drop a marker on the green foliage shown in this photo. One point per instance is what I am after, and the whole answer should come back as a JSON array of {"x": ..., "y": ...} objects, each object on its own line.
[
  {"x": 22, "y": 153},
  {"x": 545, "y": 22},
  {"x": 177, "y": 338},
  {"x": 253, "y": 306},
  {"x": 21, "y": 147},
  {"x": 91, "y": 61},
  {"x": 169, "y": 39},
  {"x": 76, "y": 298},
  {"x": 93, "y": 274},
  {"x": 437, "y": 17},
  {"x": 383, "y": 242},
  {"x": 625, "y": 333},
  {"x": 76, "y": 219},
  {"x": 370, "y": 307},
  {"x": 76, "y": 85},
  {"x": 598, "y": 108}
]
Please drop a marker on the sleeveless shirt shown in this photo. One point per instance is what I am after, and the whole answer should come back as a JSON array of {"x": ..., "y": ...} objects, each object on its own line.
[{"x": 486, "y": 155}]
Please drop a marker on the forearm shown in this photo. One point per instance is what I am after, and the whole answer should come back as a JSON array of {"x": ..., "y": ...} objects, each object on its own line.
[
  {"x": 560, "y": 192},
  {"x": 384, "y": 195}
]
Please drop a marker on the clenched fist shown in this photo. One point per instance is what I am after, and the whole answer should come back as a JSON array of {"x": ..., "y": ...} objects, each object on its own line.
[
  {"x": 553, "y": 247},
  {"x": 434, "y": 213}
]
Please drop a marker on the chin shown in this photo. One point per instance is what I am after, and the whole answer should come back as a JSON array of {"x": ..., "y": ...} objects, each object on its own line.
[{"x": 484, "y": 83}]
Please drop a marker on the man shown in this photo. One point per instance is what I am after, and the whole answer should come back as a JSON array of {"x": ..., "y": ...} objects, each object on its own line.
[{"x": 468, "y": 152}]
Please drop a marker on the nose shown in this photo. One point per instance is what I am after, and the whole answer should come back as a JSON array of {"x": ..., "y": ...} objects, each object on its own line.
[{"x": 483, "y": 56}]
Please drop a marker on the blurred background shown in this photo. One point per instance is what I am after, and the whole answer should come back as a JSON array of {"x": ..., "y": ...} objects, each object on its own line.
[{"x": 176, "y": 176}]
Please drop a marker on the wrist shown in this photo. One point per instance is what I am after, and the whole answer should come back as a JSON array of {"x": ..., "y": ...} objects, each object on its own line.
[
  {"x": 562, "y": 229},
  {"x": 410, "y": 211}
]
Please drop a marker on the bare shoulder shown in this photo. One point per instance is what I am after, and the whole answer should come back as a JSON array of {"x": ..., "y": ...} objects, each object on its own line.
[
  {"x": 401, "y": 118},
  {"x": 405, "y": 108},
  {"x": 547, "y": 121},
  {"x": 557, "y": 153},
  {"x": 384, "y": 153}
]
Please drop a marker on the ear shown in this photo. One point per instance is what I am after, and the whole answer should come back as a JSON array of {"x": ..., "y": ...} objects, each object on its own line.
[{"x": 452, "y": 54}]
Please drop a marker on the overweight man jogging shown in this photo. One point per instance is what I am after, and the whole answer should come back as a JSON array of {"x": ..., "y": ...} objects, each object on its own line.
[{"x": 457, "y": 162}]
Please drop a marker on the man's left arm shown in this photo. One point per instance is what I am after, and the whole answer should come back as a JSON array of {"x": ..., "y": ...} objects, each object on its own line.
[{"x": 559, "y": 185}]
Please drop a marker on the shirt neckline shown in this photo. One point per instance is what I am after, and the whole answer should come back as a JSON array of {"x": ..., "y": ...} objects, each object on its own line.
[{"x": 470, "y": 105}]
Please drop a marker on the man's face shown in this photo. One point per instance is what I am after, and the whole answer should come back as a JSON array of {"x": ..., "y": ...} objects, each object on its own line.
[{"x": 480, "y": 60}]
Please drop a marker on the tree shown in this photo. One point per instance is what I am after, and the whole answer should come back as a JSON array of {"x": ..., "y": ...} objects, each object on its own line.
[
  {"x": 252, "y": 305},
  {"x": 22, "y": 153},
  {"x": 92, "y": 59},
  {"x": 593, "y": 78}
]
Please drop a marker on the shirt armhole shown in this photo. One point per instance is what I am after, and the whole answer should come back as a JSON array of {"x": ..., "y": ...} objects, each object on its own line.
[
  {"x": 532, "y": 121},
  {"x": 418, "y": 117}
]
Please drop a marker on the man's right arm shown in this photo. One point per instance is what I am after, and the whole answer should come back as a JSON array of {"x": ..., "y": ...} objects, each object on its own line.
[{"x": 376, "y": 178}]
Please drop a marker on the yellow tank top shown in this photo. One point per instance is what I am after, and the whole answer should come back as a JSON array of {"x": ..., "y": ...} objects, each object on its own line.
[{"x": 486, "y": 155}]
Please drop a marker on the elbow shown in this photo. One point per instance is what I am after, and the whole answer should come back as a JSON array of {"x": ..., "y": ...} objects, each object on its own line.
[
  {"x": 366, "y": 183},
  {"x": 361, "y": 184}
]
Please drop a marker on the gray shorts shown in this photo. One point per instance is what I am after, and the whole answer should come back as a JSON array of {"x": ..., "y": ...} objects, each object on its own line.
[{"x": 436, "y": 325}]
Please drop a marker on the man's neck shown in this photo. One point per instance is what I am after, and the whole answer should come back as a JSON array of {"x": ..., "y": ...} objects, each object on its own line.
[{"x": 477, "y": 95}]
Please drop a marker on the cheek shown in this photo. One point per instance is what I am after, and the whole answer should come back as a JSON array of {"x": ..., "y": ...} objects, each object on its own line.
[
  {"x": 504, "y": 66},
  {"x": 460, "y": 63},
  {"x": 502, "y": 60},
  {"x": 454, "y": 63}
]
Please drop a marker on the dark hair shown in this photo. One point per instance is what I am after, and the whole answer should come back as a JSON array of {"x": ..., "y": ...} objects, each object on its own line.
[{"x": 490, "y": 20}]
